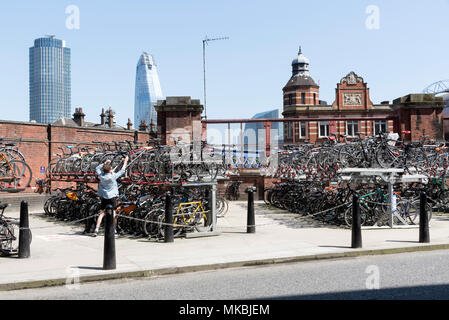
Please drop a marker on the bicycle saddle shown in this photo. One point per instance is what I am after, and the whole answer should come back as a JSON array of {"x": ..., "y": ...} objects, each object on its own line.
[
  {"x": 10, "y": 144},
  {"x": 3, "y": 206}
]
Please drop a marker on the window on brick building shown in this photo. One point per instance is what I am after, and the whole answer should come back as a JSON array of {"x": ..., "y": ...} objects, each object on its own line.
[
  {"x": 302, "y": 130},
  {"x": 289, "y": 129},
  {"x": 323, "y": 129},
  {"x": 314, "y": 99},
  {"x": 290, "y": 99},
  {"x": 352, "y": 127},
  {"x": 380, "y": 127},
  {"x": 303, "y": 98}
]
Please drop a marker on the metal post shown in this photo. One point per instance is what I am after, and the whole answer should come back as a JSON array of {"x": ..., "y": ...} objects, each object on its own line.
[
  {"x": 391, "y": 192},
  {"x": 204, "y": 78},
  {"x": 229, "y": 144},
  {"x": 242, "y": 157},
  {"x": 109, "y": 260},
  {"x": 356, "y": 223},
  {"x": 24, "y": 231},
  {"x": 424, "y": 235},
  {"x": 213, "y": 206},
  {"x": 251, "y": 221},
  {"x": 208, "y": 208},
  {"x": 169, "y": 237}
]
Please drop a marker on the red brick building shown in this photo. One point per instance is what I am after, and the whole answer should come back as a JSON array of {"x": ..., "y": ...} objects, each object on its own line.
[{"x": 418, "y": 113}]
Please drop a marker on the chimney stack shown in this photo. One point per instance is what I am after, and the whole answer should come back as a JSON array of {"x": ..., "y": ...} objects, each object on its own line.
[
  {"x": 129, "y": 125},
  {"x": 110, "y": 118},
  {"x": 102, "y": 116},
  {"x": 143, "y": 126},
  {"x": 78, "y": 117}
]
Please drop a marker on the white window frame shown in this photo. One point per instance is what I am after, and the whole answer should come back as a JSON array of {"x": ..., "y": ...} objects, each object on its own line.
[
  {"x": 326, "y": 124},
  {"x": 353, "y": 124},
  {"x": 379, "y": 123}
]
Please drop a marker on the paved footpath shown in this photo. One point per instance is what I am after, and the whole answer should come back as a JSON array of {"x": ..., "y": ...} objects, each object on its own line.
[{"x": 61, "y": 250}]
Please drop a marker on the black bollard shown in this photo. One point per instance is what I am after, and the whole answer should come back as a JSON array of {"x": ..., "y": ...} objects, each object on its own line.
[
  {"x": 208, "y": 208},
  {"x": 168, "y": 219},
  {"x": 24, "y": 231},
  {"x": 424, "y": 235},
  {"x": 356, "y": 223},
  {"x": 251, "y": 221},
  {"x": 109, "y": 261}
]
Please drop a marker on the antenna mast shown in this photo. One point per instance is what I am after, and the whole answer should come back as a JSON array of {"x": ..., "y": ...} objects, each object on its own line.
[{"x": 205, "y": 41}]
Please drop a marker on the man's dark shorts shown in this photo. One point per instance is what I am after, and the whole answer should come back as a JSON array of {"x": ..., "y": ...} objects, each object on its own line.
[{"x": 105, "y": 202}]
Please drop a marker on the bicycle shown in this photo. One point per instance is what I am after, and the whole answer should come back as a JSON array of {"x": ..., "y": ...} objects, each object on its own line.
[
  {"x": 15, "y": 175},
  {"x": 9, "y": 233}
]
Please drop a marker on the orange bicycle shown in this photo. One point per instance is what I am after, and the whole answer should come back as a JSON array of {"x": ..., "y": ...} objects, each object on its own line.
[{"x": 15, "y": 175}]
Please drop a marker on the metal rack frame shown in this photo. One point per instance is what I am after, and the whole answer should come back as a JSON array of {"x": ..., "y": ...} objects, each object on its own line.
[{"x": 391, "y": 177}]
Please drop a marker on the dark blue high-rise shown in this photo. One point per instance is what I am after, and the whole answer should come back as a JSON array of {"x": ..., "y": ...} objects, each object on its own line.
[{"x": 50, "y": 80}]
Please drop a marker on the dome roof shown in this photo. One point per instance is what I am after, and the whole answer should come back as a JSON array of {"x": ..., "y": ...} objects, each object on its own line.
[
  {"x": 299, "y": 81},
  {"x": 301, "y": 58}
]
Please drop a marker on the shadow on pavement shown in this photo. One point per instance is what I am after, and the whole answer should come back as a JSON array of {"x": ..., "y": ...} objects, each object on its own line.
[
  {"x": 404, "y": 241},
  {"x": 288, "y": 219},
  {"x": 339, "y": 247},
  {"x": 430, "y": 292},
  {"x": 89, "y": 268}
]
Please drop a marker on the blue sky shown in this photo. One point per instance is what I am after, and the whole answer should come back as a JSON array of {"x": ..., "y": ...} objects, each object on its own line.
[{"x": 246, "y": 73}]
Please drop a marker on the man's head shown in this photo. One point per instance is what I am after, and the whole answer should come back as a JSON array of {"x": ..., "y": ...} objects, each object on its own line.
[{"x": 107, "y": 168}]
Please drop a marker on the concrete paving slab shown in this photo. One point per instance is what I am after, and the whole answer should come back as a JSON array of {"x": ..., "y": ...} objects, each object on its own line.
[{"x": 58, "y": 250}]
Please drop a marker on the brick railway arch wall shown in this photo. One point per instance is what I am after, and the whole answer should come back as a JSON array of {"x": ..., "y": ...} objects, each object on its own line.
[{"x": 41, "y": 142}]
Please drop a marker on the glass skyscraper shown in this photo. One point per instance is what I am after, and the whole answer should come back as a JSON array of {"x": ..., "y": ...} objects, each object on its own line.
[
  {"x": 50, "y": 87},
  {"x": 148, "y": 91}
]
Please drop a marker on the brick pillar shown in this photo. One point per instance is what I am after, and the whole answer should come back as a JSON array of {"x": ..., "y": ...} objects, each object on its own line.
[
  {"x": 175, "y": 118},
  {"x": 267, "y": 127}
]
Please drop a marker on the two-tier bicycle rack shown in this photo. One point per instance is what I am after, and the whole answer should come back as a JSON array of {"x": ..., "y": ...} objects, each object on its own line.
[
  {"x": 391, "y": 177},
  {"x": 210, "y": 230}
]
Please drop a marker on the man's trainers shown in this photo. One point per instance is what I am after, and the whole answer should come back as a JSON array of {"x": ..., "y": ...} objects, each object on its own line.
[{"x": 95, "y": 233}]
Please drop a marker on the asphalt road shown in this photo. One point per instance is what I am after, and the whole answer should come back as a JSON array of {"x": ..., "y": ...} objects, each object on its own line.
[{"x": 422, "y": 275}]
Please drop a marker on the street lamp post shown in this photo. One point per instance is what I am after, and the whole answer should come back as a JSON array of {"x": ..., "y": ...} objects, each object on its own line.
[{"x": 205, "y": 41}]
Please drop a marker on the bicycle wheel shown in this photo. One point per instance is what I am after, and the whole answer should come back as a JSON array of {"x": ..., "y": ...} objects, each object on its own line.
[
  {"x": 388, "y": 157},
  {"x": 9, "y": 234},
  {"x": 14, "y": 154},
  {"x": 47, "y": 205},
  {"x": 150, "y": 226},
  {"x": 213, "y": 169},
  {"x": 222, "y": 207},
  {"x": 161, "y": 226},
  {"x": 200, "y": 222},
  {"x": 413, "y": 216},
  {"x": 363, "y": 216},
  {"x": 16, "y": 176}
]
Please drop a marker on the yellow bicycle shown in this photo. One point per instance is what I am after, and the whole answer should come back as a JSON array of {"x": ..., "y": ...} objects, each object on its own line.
[{"x": 189, "y": 216}]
